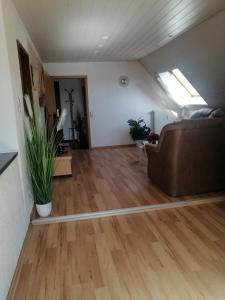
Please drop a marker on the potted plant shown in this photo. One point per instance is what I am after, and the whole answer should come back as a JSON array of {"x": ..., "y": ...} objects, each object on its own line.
[
  {"x": 138, "y": 130},
  {"x": 40, "y": 153},
  {"x": 152, "y": 137}
]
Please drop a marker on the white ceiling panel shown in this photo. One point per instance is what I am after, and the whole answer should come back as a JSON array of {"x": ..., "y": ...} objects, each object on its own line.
[{"x": 73, "y": 30}]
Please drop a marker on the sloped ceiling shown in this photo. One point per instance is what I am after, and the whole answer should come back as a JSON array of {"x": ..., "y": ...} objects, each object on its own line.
[
  {"x": 73, "y": 30},
  {"x": 200, "y": 55}
]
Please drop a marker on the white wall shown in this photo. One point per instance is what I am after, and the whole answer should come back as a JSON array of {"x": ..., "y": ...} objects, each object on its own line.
[
  {"x": 15, "y": 30},
  {"x": 69, "y": 84},
  {"x": 13, "y": 224},
  {"x": 15, "y": 197},
  {"x": 8, "y": 133},
  {"x": 111, "y": 104},
  {"x": 199, "y": 53}
]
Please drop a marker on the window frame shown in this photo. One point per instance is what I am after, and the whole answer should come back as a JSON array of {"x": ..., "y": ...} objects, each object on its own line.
[
  {"x": 180, "y": 81},
  {"x": 166, "y": 89}
]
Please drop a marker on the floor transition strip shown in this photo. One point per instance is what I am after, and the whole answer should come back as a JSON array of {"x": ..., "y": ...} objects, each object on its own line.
[{"x": 123, "y": 211}]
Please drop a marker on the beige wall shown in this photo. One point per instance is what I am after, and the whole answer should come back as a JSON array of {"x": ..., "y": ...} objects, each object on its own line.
[{"x": 200, "y": 55}]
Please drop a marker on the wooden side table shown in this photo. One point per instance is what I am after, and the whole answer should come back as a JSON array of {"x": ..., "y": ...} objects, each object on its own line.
[{"x": 63, "y": 165}]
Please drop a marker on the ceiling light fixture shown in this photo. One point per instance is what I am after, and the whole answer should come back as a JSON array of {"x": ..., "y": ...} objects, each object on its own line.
[
  {"x": 100, "y": 45},
  {"x": 105, "y": 37}
]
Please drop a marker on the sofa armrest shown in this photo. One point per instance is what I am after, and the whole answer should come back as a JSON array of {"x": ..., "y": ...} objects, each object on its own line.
[{"x": 152, "y": 148}]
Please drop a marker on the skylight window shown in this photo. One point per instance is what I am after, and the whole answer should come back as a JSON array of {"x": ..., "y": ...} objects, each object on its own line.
[{"x": 180, "y": 89}]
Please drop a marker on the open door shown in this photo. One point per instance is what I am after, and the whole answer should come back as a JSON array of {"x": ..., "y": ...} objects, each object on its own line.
[
  {"x": 48, "y": 101},
  {"x": 71, "y": 94},
  {"x": 25, "y": 72},
  {"x": 87, "y": 136}
]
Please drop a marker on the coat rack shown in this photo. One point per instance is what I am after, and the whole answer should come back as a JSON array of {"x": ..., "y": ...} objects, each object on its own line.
[{"x": 72, "y": 121}]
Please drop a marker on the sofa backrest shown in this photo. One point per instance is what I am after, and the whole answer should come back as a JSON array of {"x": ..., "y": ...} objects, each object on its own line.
[{"x": 196, "y": 150}]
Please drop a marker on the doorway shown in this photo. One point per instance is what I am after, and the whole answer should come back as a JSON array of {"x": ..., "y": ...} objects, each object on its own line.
[{"x": 71, "y": 95}]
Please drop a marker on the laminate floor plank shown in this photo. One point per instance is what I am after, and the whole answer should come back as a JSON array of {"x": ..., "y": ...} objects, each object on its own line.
[
  {"x": 161, "y": 255},
  {"x": 105, "y": 179}
]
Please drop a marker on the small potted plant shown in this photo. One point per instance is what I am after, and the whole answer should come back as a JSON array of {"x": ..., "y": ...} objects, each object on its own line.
[
  {"x": 152, "y": 137},
  {"x": 138, "y": 131},
  {"x": 40, "y": 152}
]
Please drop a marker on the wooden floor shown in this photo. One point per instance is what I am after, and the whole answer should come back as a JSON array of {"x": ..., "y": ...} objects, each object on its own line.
[
  {"x": 177, "y": 254},
  {"x": 105, "y": 179}
]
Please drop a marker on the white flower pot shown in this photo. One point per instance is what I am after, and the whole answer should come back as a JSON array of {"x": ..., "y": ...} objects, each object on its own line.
[
  {"x": 44, "y": 210},
  {"x": 139, "y": 143}
]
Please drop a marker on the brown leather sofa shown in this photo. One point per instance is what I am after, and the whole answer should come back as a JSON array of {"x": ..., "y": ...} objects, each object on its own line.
[{"x": 190, "y": 157}]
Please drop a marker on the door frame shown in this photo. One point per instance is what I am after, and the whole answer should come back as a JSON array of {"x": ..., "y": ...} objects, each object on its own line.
[{"x": 85, "y": 78}]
